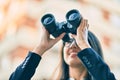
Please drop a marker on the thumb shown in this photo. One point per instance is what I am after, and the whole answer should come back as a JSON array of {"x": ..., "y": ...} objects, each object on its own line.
[
  {"x": 73, "y": 35},
  {"x": 59, "y": 37}
]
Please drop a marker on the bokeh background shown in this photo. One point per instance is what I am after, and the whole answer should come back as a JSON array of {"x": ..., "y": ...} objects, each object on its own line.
[{"x": 20, "y": 30}]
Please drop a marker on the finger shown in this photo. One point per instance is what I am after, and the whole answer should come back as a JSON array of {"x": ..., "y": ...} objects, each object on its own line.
[
  {"x": 85, "y": 22},
  {"x": 82, "y": 22},
  {"x": 46, "y": 31},
  {"x": 81, "y": 25},
  {"x": 87, "y": 25}
]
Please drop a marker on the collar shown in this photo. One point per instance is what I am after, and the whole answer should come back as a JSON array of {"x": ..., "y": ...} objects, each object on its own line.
[
  {"x": 71, "y": 79},
  {"x": 74, "y": 78}
]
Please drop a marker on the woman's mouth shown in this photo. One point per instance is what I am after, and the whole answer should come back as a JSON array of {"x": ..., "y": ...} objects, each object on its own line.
[{"x": 73, "y": 55}]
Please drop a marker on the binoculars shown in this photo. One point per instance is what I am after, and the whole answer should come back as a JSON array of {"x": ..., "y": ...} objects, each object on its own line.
[{"x": 73, "y": 20}]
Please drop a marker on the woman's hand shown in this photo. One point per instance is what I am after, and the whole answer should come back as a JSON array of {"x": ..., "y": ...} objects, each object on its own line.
[
  {"x": 46, "y": 42},
  {"x": 82, "y": 35}
]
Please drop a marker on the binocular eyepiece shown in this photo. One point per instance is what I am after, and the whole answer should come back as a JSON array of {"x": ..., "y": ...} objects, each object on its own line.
[{"x": 73, "y": 18}]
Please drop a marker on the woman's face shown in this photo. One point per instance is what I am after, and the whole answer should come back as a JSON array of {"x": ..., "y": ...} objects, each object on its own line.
[{"x": 70, "y": 52}]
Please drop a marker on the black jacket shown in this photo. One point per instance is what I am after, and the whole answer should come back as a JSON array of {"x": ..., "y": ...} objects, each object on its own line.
[{"x": 96, "y": 67}]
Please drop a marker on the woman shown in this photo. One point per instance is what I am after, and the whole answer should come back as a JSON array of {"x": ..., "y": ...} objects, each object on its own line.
[
  {"x": 81, "y": 58},
  {"x": 66, "y": 67}
]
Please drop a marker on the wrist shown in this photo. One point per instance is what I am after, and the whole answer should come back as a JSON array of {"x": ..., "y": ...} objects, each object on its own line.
[
  {"x": 38, "y": 51},
  {"x": 84, "y": 46}
]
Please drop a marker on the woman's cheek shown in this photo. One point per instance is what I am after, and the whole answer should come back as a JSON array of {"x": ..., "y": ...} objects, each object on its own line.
[
  {"x": 66, "y": 50},
  {"x": 65, "y": 54}
]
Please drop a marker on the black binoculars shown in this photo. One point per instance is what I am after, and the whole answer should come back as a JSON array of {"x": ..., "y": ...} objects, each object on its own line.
[{"x": 73, "y": 18}]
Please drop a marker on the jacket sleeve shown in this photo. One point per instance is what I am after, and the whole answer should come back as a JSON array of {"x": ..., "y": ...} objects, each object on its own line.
[
  {"x": 27, "y": 69},
  {"x": 95, "y": 65}
]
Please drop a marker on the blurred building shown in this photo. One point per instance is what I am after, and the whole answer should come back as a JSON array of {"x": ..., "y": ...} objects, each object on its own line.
[{"x": 20, "y": 30}]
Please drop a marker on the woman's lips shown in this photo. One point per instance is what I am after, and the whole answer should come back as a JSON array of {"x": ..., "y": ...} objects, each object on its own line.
[{"x": 73, "y": 55}]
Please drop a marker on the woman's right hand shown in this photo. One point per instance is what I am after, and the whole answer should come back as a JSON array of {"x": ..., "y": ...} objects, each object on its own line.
[{"x": 46, "y": 42}]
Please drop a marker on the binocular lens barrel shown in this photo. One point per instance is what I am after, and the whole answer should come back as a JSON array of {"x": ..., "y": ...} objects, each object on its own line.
[
  {"x": 73, "y": 18},
  {"x": 48, "y": 21}
]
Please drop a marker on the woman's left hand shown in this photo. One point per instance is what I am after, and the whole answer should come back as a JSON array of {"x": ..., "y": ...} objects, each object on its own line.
[{"x": 82, "y": 35}]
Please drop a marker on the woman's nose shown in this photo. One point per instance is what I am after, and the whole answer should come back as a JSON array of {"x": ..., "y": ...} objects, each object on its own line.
[{"x": 73, "y": 44}]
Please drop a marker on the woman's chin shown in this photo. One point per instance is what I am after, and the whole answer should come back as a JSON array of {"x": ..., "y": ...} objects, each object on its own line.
[{"x": 74, "y": 60}]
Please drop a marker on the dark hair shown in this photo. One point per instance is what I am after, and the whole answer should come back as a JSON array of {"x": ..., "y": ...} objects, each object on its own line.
[{"x": 63, "y": 73}]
